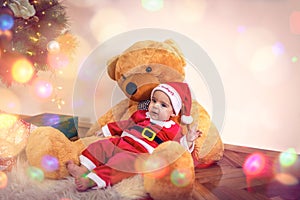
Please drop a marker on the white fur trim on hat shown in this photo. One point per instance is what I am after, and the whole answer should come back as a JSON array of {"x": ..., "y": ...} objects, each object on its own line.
[{"x": 186, "y": 119}]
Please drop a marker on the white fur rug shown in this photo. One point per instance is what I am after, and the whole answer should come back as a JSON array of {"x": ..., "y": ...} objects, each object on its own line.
[{"x": 21, "y": 187}]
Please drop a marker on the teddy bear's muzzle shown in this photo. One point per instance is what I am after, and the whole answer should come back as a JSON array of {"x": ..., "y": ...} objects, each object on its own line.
[{"x": 136, "y": 88}]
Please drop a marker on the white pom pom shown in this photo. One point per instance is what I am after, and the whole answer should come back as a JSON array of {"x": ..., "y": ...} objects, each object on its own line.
[{"x": 186, "y": 119}]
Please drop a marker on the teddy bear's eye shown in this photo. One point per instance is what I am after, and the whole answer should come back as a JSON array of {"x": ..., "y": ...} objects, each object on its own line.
[{"x": 148, "y": 69}]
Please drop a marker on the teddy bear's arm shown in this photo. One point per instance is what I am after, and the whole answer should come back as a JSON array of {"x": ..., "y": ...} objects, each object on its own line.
[
  {"x": 209, "y": 147},
  {"x": 121, "y": 111}
]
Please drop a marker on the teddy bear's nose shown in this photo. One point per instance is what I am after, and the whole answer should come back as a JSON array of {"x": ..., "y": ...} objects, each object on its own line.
[{"x": 131, "y": 88}]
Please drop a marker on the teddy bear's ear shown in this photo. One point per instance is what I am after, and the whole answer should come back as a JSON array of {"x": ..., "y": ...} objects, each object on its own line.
[
  {"x": 111, "y": 67},
  {"x": 174, "y": 45}
]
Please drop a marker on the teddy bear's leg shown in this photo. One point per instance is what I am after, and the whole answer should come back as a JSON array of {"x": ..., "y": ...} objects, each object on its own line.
[{"x": 171, "y": 172}]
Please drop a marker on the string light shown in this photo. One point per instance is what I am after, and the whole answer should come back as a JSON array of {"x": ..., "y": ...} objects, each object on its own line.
[{"x": 56, "y": 98}]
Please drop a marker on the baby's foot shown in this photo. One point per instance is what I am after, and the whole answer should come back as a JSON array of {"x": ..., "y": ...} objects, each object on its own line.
[
  {"x": 83, "y": 183},
  {"x": 75, "y": 170}
]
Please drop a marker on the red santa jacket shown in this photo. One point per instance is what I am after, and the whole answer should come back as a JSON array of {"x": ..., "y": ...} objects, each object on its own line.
[{"x": 145, "y": 131}]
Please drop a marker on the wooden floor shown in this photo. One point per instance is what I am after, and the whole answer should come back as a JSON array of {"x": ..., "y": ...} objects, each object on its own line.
[{"x": 227, "y": 180}]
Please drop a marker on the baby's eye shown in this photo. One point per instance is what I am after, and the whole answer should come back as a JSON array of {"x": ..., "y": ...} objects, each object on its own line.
[
  {"x": 164, "y": 105},
  {"x": 153, "y": 100}
]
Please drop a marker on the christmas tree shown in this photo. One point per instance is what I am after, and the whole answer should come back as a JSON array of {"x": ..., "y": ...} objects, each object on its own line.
[{"x": 34, "y": 30}]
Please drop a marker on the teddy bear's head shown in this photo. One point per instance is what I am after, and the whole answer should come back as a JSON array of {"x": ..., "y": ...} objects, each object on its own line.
[{"x": 146, "y": 64}]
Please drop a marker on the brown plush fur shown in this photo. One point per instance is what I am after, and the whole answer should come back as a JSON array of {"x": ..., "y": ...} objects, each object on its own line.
[
  {"x": 164, "y": 183},
  {"x": 146, "y": 64},
  {"x": 167, "y": 64},
  {"x": 50, "y": 141}
]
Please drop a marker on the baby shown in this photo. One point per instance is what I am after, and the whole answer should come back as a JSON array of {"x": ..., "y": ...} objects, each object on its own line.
[{"x": 110, "y": 160}]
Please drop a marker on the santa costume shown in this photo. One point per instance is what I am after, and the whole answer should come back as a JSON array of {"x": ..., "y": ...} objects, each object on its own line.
[{"x": 111, "y": 160}]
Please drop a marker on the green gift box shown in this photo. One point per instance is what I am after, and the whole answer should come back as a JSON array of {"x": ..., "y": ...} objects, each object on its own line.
[{"x": 67, "y": 124}]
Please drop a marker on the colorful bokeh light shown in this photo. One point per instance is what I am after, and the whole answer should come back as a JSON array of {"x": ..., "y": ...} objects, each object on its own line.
[
  {"x": 102, "y": 30},
  {"x": 153, "y": 5},
  {"x": 50, "y": 163},
  {"x": 9, "y": 101},
  {"x": 254, "y": 164},
  {"x": 241, "y": 29},
  {"x": 286, "y": 179},
  {"x": 156, "y": 165},
  {"x": 58, "y": 60},
  {"x": 3, "y": 179},
  {"x": 43, "y": 89},
  {"x": 190, "y": 12},
  {"x": 6, "y": 22},
  {"x": 7, "y": 121},
  {"x": 22, "y": 71},
  {"x": 35, "y": 173},
  {"x": 5, "y": 36},
  {"x": 278, "y": 48},
  {"x": 181, "y": 177},
  {"x": 294, "y": 59},
  {"x": 288, "y": 158},
  {"x": 262, "y": 60},
  {"x": 295, "y": 22}
]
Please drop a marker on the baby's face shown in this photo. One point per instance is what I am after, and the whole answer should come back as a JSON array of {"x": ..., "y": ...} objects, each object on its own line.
[{"x": 160, "y": 107}]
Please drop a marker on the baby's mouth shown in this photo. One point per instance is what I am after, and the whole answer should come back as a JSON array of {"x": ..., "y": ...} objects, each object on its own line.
[{"x": 155, "y": 113}]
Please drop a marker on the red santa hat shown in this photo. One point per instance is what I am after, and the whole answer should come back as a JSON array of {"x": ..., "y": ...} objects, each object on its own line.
[{"x": 180, "y": 97}]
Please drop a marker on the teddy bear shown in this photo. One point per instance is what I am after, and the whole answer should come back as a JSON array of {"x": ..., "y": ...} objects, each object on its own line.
[
  {"x": 140, "y": 68},
  {"x": 137, "y": 70}
]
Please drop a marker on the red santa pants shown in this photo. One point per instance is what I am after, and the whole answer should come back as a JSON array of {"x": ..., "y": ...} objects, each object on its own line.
[{"x": 114, "y": 158}]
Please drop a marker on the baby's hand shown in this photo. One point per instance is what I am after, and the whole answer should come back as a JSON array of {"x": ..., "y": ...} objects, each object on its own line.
[{"x": 193, "y": 134}]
